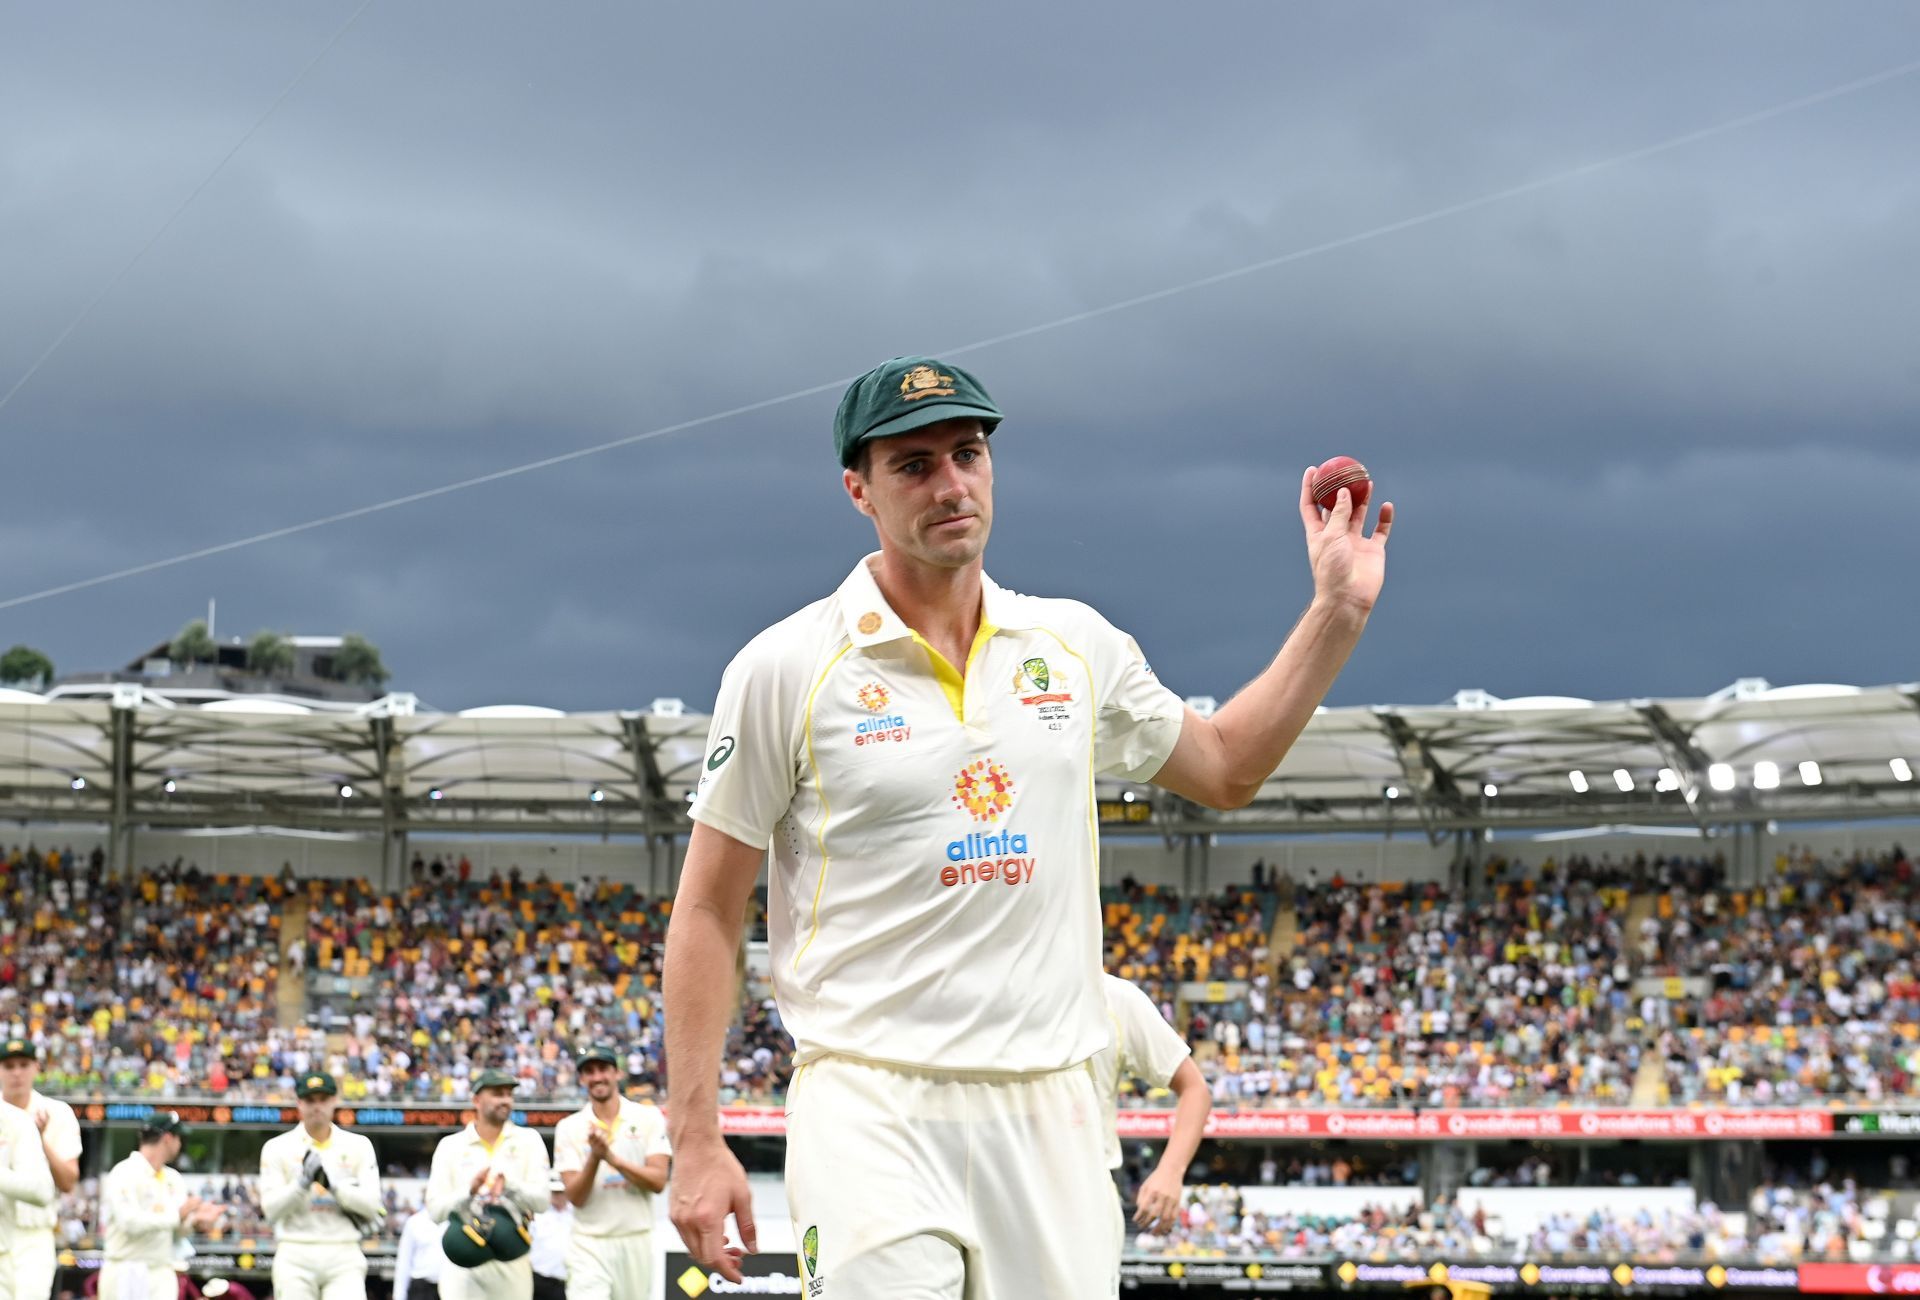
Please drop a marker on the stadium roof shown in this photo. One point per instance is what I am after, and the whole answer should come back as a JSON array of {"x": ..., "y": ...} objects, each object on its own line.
[{"x": 130, "y": 755}]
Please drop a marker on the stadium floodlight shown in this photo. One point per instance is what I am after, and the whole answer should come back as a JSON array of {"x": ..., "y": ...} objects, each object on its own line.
[
  {"x": 1392, "y": 792},
  {"x": 1623, "y": 779},
  {"x": 169, "y": 787},
  {"x": 1766, "y": 775},
  {"x": 1578, "y": 780},
  {"x": 1669, "y": 780},
  {"x": 1720, "y": 776},
  {"x": 1809, "y": 772},
  {"x": 595, "y": 795},
  {"x": 78, "y": 783},
  {"x": 1902, "y": 770},
  {"x": 1491, "y": 790},
  {"x": 346, "y": 791}
]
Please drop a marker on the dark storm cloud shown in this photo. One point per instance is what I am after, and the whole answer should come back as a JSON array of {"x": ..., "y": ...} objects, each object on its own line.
[{"x": 1651, "y": 429}]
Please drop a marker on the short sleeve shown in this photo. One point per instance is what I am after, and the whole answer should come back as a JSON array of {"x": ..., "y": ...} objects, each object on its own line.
[
  {"x": 1139, "y": 718},
  {"x": 1150, "y": 1048},
  {"x": 569, "y": 1148},
  {"x": 63, "y": 1133},
  {"x": 749, "y": 773}
]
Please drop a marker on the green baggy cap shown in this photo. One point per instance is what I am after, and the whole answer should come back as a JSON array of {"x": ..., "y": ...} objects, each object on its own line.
[{"x": 904, "y": 394}]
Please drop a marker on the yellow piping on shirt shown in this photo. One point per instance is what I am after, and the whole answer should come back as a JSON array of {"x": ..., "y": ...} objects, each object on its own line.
[
  {"x": 1093, "y": 728},
  {"x": 952, "y": 684},
  {"x": 826, "y": 811}
]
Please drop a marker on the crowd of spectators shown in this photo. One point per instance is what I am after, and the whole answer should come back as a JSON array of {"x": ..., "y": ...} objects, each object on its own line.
[
  {"x": 1781, "y": 1225},
  {"x": 458, "y": 974},
  {"x": 144, "y": 986},
  {"x": 1542, "y": 986}
]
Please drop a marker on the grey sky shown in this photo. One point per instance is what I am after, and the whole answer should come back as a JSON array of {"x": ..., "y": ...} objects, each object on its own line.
[{"x": 1649, "y": 430}]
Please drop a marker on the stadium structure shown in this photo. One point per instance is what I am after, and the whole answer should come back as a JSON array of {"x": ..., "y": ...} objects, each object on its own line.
[{"x": 1458, "y": 800}]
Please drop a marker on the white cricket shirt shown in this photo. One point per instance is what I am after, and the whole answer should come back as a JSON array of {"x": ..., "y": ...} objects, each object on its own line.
[
  {"x": 1143, "y": 1046},
  {"x": 316, "y": 1214},
  {"x": 934, "y": 873},
  {"x": 616, "y": 1207},
  {"x": 141, "y": 1207},
  {"x": 61, "y": 1138},
  {"x": 518, "y": 1153}
]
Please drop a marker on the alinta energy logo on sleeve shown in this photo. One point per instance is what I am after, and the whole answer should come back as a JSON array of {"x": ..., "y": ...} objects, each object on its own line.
[
  {"x": 883, "y": 727},
  {"x": 984, "y": 791}
]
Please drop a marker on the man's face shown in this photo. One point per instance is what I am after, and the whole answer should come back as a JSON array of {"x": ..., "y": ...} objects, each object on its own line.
[
  {"x": 17, "y": 1077},
  {"x": 169, "y": 1148},
  {"x": 929, "y": 493},
  {"x": 315, "y": 1110},
  {"x": 494, "y": 1105},
  {"x": 599, "y": 1079}
]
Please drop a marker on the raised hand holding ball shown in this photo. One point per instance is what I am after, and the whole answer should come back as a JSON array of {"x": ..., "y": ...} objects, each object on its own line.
[{"x": 1342, "y": 472}]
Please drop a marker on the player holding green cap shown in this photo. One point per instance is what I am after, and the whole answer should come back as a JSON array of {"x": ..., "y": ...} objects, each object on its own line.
[
  {"x": 919, "y": 750},
  {"x": 492, "y": 1160},
  {"x": 320, "y": 1189},
  {"x": 613, "y": 1154}
]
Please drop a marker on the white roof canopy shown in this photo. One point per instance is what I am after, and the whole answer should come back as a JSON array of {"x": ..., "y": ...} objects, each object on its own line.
[{"x": 138, "y": 757}]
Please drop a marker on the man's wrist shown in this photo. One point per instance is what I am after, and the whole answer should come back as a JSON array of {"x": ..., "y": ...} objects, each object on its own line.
[
  {"x": 698, "y": 1137},
  {"x": 1340, "y": 611}
]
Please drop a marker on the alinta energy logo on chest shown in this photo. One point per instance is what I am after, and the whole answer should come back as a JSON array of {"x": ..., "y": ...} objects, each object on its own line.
[
  {"x": 984, "y": 791},
  {"x": 883, "y": 727}
]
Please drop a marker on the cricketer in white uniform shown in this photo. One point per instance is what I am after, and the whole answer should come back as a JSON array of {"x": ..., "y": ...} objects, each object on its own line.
[
  {"x": 1144, "y": 1046},
  {"x": 919, "y": 752},
  {"x": 34, "y": 1254},
  {"x": 320, "y": 1189},
  {"x": 25, "y": 1180},
  {"x": 613, "y": 1154},
  {"x": 146, "y": 1208},
  {"x": 495, "y": 1157}
]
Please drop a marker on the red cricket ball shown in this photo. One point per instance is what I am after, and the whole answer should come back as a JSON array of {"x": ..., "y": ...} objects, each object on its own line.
[{"x": 1342, "y": 472}]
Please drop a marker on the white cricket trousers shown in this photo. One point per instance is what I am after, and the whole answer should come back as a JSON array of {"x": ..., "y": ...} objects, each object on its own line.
[
  {"x": 316, "y": 1270},
  {"x": 36, "y": 1261},
  {"x": 913, "y": 1184},
  {"x": 495, "y": 1281},
  {"x": 125, "y": 1281},
  {"x": 610, "y": 1268}
]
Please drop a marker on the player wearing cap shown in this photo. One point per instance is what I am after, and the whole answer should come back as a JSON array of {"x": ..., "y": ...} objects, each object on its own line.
[
  {"x": 25, "y": 1183},
  {"x": 320, "y": 1189},
  {"x": 1144, "y": 1046},
  {"x": 613, "y": 1154},
  {"x": 491, "y": 1159},
  {"x": 919, "y": 750},
  {"x": 34, "y": 1255},
  {"x": 147, "y": 1209}
]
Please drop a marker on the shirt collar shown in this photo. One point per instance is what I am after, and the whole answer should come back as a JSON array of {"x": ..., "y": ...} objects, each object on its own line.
[{"x": 871, "y": 621}]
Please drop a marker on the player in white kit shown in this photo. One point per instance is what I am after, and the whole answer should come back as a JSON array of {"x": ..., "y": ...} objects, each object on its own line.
[
  {"x": 1146, "y": 1047},
  {"x": 145, "y": 1204},
  {"x": 613, "y": 1154},
  {"x": 491, "y": 1157},
  {"x": 919, "y": 752},
  {"x": 34, "y": 1255},
  {"x": 320, "y": 1189}
]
